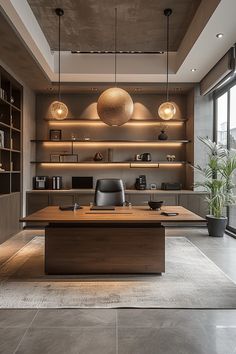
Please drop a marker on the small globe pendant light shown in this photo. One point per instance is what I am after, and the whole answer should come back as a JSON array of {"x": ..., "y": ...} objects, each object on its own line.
[
  {"x": 115, "y": 106},
  {"x": 167, "y": 109},
  {"x": 59, "y": 109}
]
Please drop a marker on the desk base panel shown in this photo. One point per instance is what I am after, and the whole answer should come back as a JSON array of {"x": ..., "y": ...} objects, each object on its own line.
[{"x": 104, "y": 249}]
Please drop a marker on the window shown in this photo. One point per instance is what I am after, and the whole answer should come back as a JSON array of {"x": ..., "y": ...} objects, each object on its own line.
[
  {"x": 226, "y": 134},
  {"x": 222, "y": 108}
]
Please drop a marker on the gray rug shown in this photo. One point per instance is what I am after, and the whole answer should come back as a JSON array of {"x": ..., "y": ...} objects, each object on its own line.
[{"x": 191, "y": 281}]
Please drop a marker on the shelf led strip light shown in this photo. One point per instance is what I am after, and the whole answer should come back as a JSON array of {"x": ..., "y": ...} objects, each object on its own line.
[
  {"x": 109, "y": 164},
  {"x": 95, "y": 122},
  {"x": 106, "y": 143}
]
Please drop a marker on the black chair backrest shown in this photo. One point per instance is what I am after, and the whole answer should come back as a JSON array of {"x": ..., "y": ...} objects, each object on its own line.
[{"x": 109, "y": 192}]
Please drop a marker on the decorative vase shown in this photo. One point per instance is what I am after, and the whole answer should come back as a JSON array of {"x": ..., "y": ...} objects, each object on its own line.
[
  {"x": 216, "y": 226},
  {"x": 98, "y": 156},
  {"x": 162, "y": 135},
  {"x": 110, "y": 155}
]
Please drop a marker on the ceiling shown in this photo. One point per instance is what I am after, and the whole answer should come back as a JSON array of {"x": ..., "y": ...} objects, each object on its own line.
[
  {"x": 137, "y": 88},
  {"x": 88, "y": 25},
  {"x": 23, "y": 63}
]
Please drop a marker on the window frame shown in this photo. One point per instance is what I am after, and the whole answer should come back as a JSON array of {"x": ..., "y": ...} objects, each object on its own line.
[{"x": 218, "y": 93}]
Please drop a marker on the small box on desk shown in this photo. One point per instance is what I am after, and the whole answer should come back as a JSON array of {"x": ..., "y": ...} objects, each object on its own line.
[{"x": 171, "y": 186}]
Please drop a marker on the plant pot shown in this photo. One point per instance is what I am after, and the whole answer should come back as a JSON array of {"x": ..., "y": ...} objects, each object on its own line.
[{"x": 216, "y": 226}]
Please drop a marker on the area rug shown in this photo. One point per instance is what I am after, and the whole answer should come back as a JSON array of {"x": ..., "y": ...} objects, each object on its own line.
[{"x": 191, "y": 281}]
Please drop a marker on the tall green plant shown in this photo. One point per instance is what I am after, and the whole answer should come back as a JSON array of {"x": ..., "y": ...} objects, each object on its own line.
[{"x": 218, "y": 175}]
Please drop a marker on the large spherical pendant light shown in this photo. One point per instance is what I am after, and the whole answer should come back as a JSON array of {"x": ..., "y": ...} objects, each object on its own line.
[
  {"x": 59, "y": 109},
  {"x": 115, "y": 106},
  {"x": 167, "y": 110}
]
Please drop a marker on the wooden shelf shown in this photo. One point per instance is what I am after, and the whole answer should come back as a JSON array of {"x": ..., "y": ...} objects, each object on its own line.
[
  {"x": 5, "y": 125},
  {"x": 130, "y": 164},
  {"x": 182, "y": 141},
  {"x": 5, "y": 102},
  {"x": 98, "y": 121}
]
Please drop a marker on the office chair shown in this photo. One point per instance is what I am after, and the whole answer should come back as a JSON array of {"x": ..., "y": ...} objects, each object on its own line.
[{"x": 109, "y": 192}]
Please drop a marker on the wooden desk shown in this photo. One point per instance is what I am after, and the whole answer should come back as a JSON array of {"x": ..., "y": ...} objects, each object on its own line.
[{"x": 98, "y": 242}]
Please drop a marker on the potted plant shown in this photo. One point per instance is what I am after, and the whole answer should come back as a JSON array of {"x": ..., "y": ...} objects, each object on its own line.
[{"x": 217, "y": 182}]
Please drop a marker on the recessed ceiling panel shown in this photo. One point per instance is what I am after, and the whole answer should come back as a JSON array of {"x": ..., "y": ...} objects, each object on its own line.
[{"x": 88, "y": 25}]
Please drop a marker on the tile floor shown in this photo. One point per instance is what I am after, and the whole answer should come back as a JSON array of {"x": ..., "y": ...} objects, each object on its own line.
[{"x": 124, "y": 331}]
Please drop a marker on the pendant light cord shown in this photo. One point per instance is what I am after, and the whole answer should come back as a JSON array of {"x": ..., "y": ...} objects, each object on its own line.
[
  {"x": 115, "y": 37},
  {"x": 59, "y": 59},
  {"x": 167, "y": 61}
]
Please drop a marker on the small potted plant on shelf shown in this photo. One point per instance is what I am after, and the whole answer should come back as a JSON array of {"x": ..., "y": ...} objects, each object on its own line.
[{"x": 217, "y": 182}]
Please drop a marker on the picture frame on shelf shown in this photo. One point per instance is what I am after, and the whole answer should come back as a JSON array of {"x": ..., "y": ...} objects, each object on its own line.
[
  {"x": 2, "y": 139},
  {"x": 55, "y": 158},
  {"x": 55, "y": 135},
  {"x": 69, "y": 158}
]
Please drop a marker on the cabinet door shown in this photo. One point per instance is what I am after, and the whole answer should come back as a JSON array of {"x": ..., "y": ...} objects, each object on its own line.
[
  {"x": 36, "y": 201},
  {"x": 84, "y": 199},
  {"x": 168, "y": 199},
  {"x": 61, "y": 198},
  {"x": 138, "y": 199},
  {"x": 195, "y": 203},
  {"x": 9, "y": 216}
]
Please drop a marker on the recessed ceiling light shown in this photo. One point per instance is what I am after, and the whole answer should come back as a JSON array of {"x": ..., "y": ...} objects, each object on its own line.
[
  {"x": 219, "y": 35},
  {"x": 193, "y": 70}
]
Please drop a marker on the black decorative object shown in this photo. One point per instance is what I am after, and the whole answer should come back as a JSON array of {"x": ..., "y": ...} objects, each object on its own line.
[
  {"x": 162, "y": 135},
  {"x": 171, "y": 186},
  {"x": 155, "y": 205},
  {"x": 98, "y": 156}
]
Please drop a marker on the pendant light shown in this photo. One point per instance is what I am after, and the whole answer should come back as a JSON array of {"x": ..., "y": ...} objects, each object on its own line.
[
  {"x": 115, "y": 106},
  {"x": 58, "y": 109},
  {"x": 167, "y": 109}
]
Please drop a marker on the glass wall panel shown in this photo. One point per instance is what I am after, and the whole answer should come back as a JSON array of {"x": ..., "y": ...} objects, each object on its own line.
[
  {"x": 232, "y": 146},
  {"x": 222, "y": 110}
]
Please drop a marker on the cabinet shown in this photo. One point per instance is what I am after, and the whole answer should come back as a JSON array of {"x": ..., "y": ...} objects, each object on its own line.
[
  {"x": 10, "y": 133},
  {"x": 9, "y": 215},
  {"x": 10, "y": 154},
  {"x": 196, "y": 203},
  {"x": 60, "y": 199}
]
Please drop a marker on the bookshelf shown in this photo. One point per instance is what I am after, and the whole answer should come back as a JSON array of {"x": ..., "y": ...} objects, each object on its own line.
[{"x": 10, "y": 134}]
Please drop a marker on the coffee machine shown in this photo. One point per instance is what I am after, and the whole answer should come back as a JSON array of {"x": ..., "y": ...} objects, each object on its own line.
[
  {"x": 141, "y": 182},
  {"x": 40, "y": 182}
]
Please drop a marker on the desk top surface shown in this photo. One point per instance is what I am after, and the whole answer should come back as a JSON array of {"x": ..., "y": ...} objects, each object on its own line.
[{"x": 137, "y": 214}]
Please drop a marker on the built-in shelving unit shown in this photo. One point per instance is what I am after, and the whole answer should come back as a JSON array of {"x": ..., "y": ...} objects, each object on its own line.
[
  {"x": 83, "y": 136},
  {"x": 10, "y": 133},
  {"x": 11, "y": 93}
]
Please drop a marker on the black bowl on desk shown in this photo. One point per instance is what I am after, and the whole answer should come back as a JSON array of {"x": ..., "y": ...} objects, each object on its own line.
[{"x": 155, "y": 205}]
